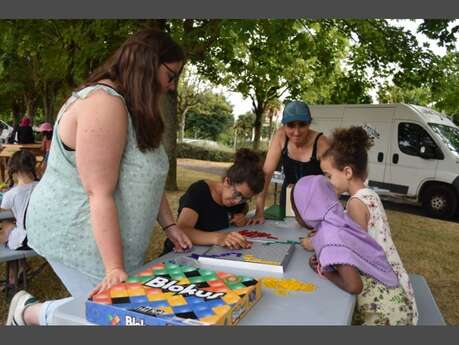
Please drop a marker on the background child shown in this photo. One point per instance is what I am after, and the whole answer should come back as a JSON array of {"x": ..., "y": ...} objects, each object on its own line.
[
  {"x": 345, "y": 165},
  {"x": 21, "y": 168},
  {"x": 208, "y": 206},
  {"x": 349, "y": 257},
  {"x": 46, "y": 130}
]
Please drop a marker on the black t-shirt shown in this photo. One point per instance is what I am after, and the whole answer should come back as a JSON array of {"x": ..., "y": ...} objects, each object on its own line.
[{"x": 211, "y": 216}]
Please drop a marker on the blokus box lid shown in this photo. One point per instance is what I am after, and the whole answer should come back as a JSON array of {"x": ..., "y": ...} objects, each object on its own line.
[{"x": 168, "y": 293}]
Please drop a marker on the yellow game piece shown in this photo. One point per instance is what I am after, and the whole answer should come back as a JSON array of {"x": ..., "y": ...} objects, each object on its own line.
[
  {"x": 231, "y": 297},
  {"x": 284, "y": 286},
  {"x": 221, "y": 309},
  {"x": 176, "y": 300},
  {"x": 156, "y": 297}
]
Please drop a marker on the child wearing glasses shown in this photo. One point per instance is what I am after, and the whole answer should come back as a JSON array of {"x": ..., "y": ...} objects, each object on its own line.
[{"x": 208, "y": 206}]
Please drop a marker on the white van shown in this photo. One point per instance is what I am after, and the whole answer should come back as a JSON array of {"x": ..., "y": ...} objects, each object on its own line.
[{"x": 415, "y": 152}]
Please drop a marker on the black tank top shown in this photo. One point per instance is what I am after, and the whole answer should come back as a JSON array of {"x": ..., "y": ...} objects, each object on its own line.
[{"x": 294, "y": 169}]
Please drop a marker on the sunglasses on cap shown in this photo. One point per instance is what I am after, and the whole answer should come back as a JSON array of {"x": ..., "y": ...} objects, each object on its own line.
[
  {"x": 297, "y": 124},
  {"x": 173, "y": 76}
]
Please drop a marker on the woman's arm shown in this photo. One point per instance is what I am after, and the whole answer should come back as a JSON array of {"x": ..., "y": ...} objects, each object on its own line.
[
  {"x": 271, "y": 162},
  {"x": 173, "y": 231},
  {"x": 323, "y": 144},
  {"x": 187, "y": 221},
  {"x": 100, "y": 138}
]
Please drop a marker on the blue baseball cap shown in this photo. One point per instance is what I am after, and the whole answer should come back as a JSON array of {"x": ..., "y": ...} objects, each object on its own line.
[{"x": 296, "y": 111}]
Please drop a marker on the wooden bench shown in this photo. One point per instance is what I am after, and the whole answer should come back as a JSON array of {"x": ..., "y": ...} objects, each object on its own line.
[{"x": 429, "y": 313}]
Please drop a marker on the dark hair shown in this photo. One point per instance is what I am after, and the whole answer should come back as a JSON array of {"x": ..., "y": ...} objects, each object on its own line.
[
  {"x": 47, "y": 134},
  {"x": 21, "y": 161},
  {"x": 133, "y": 68},
  {"x": 247, "y": 168},
  {"x": 349, "y": 147}
]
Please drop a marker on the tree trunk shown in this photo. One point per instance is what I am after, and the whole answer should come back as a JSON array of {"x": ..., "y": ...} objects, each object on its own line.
[
  {"x": 257, "y": 126},
  {"x": 169, "y": 112},
  {"x": 182, "y": 126},
  {"x": 29, "y": 105},
  {"x": 48, "y": 103},
  {"x": 270, "y": 129}
]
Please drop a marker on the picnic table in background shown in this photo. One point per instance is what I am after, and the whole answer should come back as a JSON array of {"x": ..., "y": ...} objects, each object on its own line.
[{"x": 9, "y": 149}]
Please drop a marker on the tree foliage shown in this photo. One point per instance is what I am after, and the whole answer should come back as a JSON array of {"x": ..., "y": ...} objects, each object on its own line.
[{"x": 213, "y": 117}]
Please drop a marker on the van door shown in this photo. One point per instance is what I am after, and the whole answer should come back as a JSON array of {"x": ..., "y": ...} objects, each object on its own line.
[
  {"x": 378, "y": 124},
  {"x": 414, "y": 157}
]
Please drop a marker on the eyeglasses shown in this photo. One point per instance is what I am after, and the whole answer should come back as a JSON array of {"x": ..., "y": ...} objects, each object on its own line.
[
  {"x": 297, "y": 124},
  {"x": 238, "y": 197},
  {"x": 174, "y": 77}
]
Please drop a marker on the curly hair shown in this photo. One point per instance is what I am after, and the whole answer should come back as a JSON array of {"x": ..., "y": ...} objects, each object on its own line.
[
  {"x": 349, "y": 147},
  {"x": 247, "y": 168}
]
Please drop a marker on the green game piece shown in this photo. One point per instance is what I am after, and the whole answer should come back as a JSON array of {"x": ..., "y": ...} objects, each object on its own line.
[
  {"x": 145, "y": 279},
  {"x": 197, "y": 279},
  {"x": 133, "y": 280},
  {"x": 205, "y": 272},
  {"x": 175, "y": 271},
  {"x": 188, "y": 268},
  {"x": 235, "y": 286},
  {"x": 160, "y": 272},
  {"x": 178, "y": 276},
  {"x": 171, "y": 266}
]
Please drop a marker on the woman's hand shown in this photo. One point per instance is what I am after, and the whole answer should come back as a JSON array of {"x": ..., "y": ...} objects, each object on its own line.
[
  {"x": 257, "y": 219},
  {"x": 179, "y": 238},
  {"x": 239, "y": 220},
  {"x": 113, "y": 277},
  {"x": 233, "y": 240}
]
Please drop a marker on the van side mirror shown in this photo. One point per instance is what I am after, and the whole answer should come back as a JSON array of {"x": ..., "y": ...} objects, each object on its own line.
[{"x": 428, "y": 152}]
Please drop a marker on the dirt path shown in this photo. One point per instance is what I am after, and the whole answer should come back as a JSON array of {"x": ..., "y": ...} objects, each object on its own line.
[{"x": 206, "y": 166}]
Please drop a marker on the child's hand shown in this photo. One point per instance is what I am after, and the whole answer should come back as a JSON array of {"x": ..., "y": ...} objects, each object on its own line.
[
  {"x": 233, "y": 240},
  {"x": 306, "y": 242},
  {"x": 239, "y": 220},
  {"x": 307, "y": 245}
]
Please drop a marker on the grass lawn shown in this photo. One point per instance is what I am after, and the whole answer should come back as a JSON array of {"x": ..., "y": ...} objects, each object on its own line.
[{"x": 427, "y": 246}]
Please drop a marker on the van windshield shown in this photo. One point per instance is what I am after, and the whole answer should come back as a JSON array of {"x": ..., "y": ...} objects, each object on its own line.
[{"x": 449, "y": 135}]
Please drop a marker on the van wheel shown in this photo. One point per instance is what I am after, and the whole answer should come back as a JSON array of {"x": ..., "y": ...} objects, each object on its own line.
[{"x": 440, "y": 201}]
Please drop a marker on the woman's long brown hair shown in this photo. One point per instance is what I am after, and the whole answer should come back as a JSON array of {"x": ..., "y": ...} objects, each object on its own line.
[{"x": 134, "y": 68}]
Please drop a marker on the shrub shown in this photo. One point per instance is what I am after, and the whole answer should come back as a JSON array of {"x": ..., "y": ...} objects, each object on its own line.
[{"x": 205, "y": 153}]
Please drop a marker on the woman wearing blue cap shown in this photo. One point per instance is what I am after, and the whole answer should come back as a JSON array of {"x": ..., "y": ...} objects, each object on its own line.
[{"x": 298, "y": 149}]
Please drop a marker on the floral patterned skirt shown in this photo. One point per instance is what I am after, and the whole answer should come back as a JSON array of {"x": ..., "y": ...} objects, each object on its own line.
[{"x": 380, "y": 305}]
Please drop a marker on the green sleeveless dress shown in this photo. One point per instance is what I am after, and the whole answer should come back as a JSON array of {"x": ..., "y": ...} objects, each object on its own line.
[{"x": 58, "y": 220}]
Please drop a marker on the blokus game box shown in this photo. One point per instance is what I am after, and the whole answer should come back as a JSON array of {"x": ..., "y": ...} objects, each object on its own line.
[{"x": 173, "y": 294}]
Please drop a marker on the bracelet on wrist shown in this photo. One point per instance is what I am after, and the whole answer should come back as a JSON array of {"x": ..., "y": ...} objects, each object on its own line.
[{"x": 169, "y": 226}]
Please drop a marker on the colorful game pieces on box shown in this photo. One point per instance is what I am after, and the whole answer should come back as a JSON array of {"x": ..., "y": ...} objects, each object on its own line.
[{"x": 173, "y": 294}]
